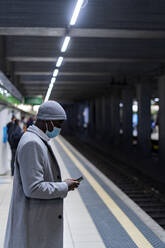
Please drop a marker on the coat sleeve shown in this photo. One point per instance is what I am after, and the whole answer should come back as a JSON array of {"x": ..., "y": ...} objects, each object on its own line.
[{"x": 31, "y": 164}]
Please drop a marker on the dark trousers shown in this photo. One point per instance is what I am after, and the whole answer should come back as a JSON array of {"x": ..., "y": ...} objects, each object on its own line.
[{"x": 13, "y": 151}]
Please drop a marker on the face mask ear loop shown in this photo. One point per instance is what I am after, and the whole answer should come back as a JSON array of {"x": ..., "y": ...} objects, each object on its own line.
[
  {"x": 52, "y": 124},
  {"x": 46, "y": 126}
]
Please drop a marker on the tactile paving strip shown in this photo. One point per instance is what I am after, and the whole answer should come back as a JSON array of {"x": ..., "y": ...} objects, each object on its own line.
[{"x": 109, "y": 228}]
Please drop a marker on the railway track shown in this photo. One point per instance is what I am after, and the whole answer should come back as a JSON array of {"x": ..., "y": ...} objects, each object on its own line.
[{"x": 139, "y": 189}]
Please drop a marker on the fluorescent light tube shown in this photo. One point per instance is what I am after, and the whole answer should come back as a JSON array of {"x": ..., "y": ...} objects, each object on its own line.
[
  {"x": 50, "y": 89},
  {"x": 48, "y": 93},
  {"x": 55, "y": 73},
  {"x": 76, "y": 12},
  {"x": 65, "y": 44},
  {"x": 53, "y": 80},
  {"x": 59, "y": 61}
]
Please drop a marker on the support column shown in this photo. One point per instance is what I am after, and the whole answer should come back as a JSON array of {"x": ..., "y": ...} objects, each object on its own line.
[
  {"x": 144, "y": 118},
  {"x": 2, "y": 54},
  {"x": 115, "y": 118},
  {"x": 103, "y": 114},
  {"x": 91, "y": 126},
  {"x": 97, "y": 113},
  {"x": 108, "y": 128},
  {"x": 72, "y": 119},
  {"x": 106, "y": 109},
  {"x": 69, "y": 120},
  {"x": 98, "y": 116},
  {"x": 127, "y": 117},
  {"x": 80, "y": 115},
  {"x": 161, "y": 84},
  {"x": 76, "y": 116}
]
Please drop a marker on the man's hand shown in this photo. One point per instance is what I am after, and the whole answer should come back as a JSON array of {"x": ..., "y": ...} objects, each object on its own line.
[{"x": 72, "y": 183}]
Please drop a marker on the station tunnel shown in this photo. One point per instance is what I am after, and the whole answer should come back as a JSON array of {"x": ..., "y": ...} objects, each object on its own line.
[{"x": 104, "y": 63}]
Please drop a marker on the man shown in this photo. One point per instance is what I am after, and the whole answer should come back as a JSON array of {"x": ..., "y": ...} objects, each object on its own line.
[
  {"x": 10, "y": 127},
  {"x": 30, "y": 121},
  {"x": 15, "y": 137},
  {"x": 36, "y": 212}
]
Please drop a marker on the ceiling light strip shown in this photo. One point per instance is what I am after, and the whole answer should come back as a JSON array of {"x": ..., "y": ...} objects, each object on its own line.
[
  {"x": 55, "y": 72},
  {"x": 50, "y": 89},
  {"x": 64, "y": 48},
  {"x": 59, "y": 61},
  {"x": 65, "y": 44},
  {"x": 76, "y": 12}
]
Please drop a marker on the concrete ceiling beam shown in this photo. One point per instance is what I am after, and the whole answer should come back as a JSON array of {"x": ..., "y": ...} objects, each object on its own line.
[
  {"x": 86, "y": 60},
  {"x": 117, "y": 33},
  {"x": 83, "y": 32},
  {"x": 59, "y": 82},
  {"x": 42, "y": 73},
  {"x": 32, "y": 31},
  {"x": 65, "y": 88}
]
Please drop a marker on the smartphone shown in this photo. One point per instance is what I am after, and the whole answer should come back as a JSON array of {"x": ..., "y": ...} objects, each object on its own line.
[{"x": 79, "y": 179}]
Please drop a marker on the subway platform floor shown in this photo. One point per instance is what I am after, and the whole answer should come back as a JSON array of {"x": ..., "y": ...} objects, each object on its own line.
[{"x": 98, "y": 214}]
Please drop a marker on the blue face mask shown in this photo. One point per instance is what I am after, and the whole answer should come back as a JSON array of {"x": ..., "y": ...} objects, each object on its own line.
[{"x": 56, "y": 131}]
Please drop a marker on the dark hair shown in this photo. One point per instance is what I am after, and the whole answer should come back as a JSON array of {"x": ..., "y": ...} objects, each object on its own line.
[{"x": 17, "y": 122}]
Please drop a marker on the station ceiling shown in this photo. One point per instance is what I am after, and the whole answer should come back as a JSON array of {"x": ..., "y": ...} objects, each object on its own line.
[{"x": 113, "y": 41}]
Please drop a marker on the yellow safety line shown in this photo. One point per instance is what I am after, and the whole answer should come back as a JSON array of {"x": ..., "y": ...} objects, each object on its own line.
[{"x": 122, "y": 218}]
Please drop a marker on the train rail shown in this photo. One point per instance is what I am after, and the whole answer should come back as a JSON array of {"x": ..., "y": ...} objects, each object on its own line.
[{"x": 138, "y": 187}]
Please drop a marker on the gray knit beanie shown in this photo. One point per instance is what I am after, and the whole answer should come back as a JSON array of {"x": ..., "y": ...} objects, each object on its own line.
[{"x": 51, "y": 110}]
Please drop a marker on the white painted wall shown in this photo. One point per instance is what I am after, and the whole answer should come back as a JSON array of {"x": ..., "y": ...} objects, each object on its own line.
[{"x": 5, "y": 153}]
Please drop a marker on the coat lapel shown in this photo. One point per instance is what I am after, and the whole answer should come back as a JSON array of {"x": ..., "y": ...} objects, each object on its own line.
[{"x": 45, "y": 139}]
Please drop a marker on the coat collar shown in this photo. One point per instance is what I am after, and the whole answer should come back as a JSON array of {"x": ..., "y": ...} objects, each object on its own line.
[{"x": 39, "y": 132}]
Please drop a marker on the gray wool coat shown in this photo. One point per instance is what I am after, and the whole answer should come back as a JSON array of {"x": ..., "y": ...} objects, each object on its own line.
[{"x": 36, "y": 210}]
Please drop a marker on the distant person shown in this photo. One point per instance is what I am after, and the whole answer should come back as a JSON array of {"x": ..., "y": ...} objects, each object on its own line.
[
  {"x": 30, "y": 122},
  {"x": 36, "y": 209},
  {"x": 15, "y": 137},
  {"x": 22, "y": 123},
  {"x": 10, "y": 126}
]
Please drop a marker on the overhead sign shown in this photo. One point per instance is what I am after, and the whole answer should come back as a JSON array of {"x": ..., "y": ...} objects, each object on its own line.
[
  {"x": 9, "y": 98},
  {"x": 33, "y": 100}
]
